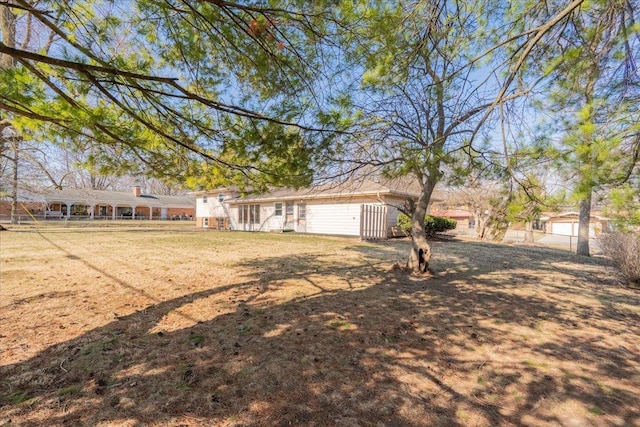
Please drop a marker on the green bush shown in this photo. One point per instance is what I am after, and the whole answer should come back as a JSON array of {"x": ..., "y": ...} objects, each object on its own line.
[{"x": 432, "y": 224}]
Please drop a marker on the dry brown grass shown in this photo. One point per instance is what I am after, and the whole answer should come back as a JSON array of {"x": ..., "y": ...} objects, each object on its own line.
[{"x": 183, "y": 327}]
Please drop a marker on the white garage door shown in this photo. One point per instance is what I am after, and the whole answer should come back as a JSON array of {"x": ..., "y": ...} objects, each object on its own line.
[{"x": 564, "y": 228}]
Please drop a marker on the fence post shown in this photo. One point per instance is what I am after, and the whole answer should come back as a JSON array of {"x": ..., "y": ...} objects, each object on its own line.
[{"x": 361, "y": 222}]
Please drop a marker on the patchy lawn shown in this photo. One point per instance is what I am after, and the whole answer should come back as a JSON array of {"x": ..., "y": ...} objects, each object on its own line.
[{"x": 184, "y": 327}]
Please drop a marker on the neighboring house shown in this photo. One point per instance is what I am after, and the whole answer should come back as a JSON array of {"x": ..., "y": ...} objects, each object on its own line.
[
  {"x": 28, "y": 204},
  {"x": 566, "y": 223},
  {"x": 364, "y": 208},
  {"x": 104, "y": 204},
  {"x": 464, "y": 219},
  {"x": 23, "y": 209}
]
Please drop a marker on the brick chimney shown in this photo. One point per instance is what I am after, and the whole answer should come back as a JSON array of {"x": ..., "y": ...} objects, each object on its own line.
[{"x": 136, "y": 191}]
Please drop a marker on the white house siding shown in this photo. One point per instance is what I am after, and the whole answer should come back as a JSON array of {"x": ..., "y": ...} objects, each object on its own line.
[
  {"x": 392, "y": 211},
  {"x": 323, "y": 216},
  {"x": 233, "y": 218},
  {"x": 211, "y": 209},
  {"x": 270, "y": 222},
  {"x": 331, "y": 217},
  {"x": 203, "y": 210}
]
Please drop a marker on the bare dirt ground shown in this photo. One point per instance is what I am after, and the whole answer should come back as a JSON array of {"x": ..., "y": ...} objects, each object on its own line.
[{"x": 184, "y": 327}]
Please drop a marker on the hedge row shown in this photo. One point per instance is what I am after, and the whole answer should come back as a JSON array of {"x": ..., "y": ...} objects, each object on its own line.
[{"x": 432, "y": 224}]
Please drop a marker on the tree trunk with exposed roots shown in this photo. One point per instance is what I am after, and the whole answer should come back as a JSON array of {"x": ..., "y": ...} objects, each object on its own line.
[{"x": 420, "y": 255}]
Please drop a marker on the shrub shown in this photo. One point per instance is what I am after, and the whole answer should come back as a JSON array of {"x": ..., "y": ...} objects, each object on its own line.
[
  {"x": 624, "y": 251},
  {"x": 432, "y": 224}
]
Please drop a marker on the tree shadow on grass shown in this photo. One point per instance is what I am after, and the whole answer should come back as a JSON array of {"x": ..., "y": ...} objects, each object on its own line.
[
  {"x": 482, "y": 256},
  {"x": 315, "y": 341}
]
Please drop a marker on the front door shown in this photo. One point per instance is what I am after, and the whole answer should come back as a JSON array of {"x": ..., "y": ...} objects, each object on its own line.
[
  {"x": 288, "y": 216},
  {"x": 302, "y": 218}
]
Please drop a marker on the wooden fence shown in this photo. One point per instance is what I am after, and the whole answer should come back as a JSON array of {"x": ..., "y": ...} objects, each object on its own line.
[{"x": 373, "y": 222}]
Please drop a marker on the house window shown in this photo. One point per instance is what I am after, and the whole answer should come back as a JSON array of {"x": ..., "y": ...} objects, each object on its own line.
[
  {"x": 302, "y": 211},
  {"x": 278, "y": 209},
  {"x": 205, "y": 222},
  {"x": 204, "y": 199},
  {"x": 249, "y": 214},
  {"x": 289, "y": 208},
  {"x": 221, "y": 198}
]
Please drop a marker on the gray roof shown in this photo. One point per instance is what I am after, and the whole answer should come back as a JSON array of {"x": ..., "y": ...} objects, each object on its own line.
[
  {"x": 351, "y": 188},
  {"x": 119, "y": 198},
  {"x": 25, "y": 196},
  {"x": 558, "y": 215}
]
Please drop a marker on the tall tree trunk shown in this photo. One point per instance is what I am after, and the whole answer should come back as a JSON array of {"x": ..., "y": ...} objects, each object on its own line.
[
  {"x": 420, "y": 255},
  {"x": 497, "y": 221},
  {"x": 583, "y": 225},
  {"x": 480, "y": 222},
  {"x": 8, "y": 32},
  {"x": 14, "y": 184},
  {"x": 528, "y": 231}
]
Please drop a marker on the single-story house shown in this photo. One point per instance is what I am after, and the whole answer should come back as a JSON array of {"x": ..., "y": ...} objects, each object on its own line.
[
  {"x": 104, "y": 204},
  {"x": 566, "y": 223},
  {"x": 464, "y": 219},
  {"x": 362, "y": 208},
  {"x": 28, "y": 204}
]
